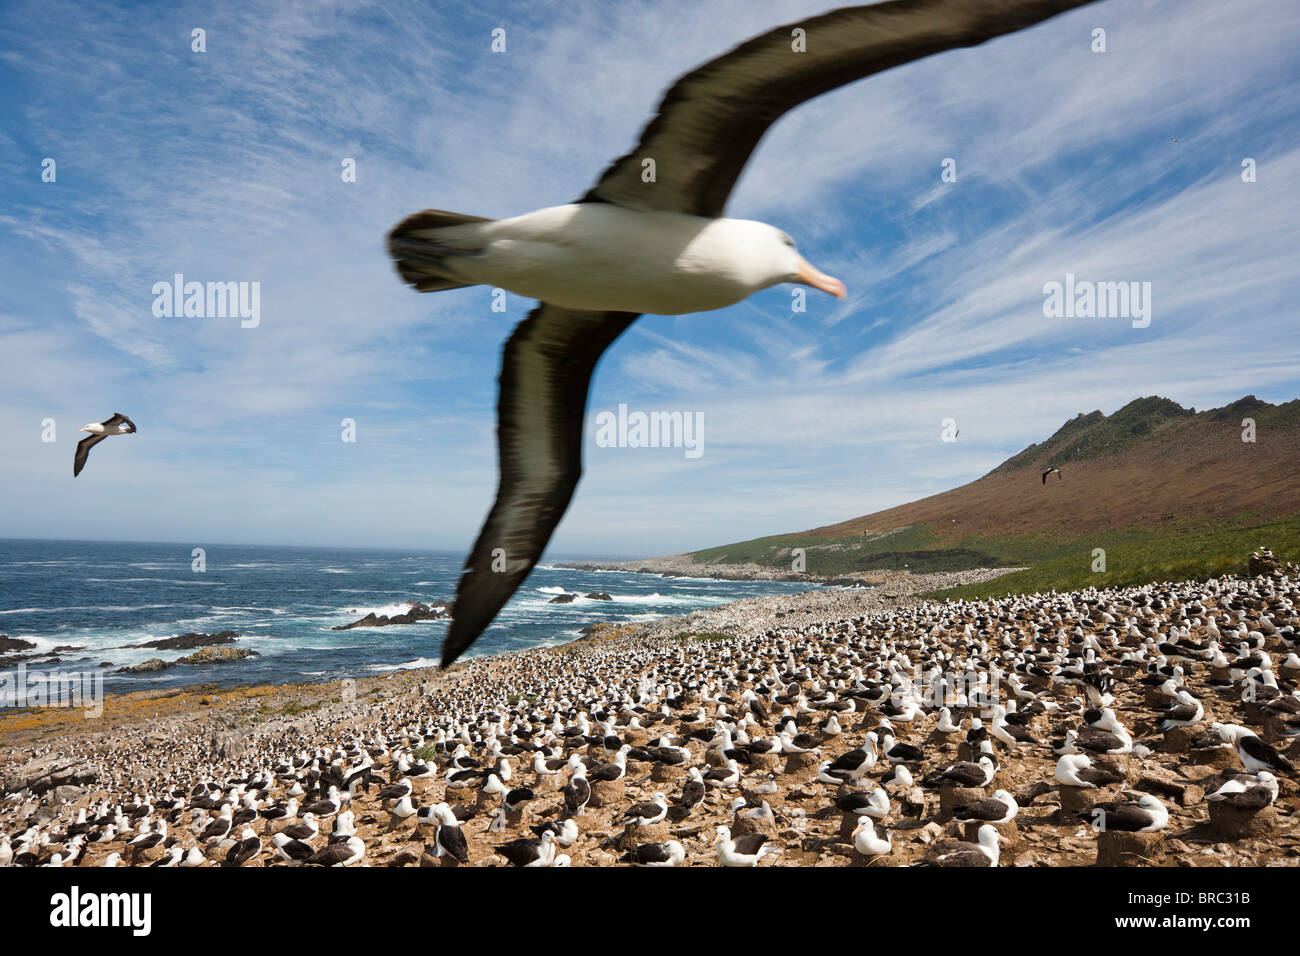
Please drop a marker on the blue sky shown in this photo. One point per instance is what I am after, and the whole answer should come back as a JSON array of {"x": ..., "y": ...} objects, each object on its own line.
[{"x": 225, "y": 166}]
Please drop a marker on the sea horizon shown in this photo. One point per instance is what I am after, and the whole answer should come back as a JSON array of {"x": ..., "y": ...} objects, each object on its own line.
[{"x": 209, "y": 543}]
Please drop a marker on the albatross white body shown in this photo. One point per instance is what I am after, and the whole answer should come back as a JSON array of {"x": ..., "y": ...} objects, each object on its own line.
[{"x": 604, "y": 257}]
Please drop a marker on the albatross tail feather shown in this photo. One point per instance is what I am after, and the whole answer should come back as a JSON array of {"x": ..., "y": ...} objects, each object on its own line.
[{"x": 421, "y": 249}]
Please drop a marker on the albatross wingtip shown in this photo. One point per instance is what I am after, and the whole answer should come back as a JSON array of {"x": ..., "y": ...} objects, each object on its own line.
[{"x": 456, "y": 643}]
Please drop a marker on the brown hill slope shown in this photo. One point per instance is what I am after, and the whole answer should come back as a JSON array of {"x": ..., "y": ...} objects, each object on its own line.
[{"x": 1151, "y": 460}]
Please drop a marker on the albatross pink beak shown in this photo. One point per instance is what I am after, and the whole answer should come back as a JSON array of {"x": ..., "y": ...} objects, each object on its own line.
[{"x": 808, "y": 275}]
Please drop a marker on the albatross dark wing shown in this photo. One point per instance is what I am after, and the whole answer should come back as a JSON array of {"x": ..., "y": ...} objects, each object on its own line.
[
  {"x": 1255, "y": 747},
  {"x": 452, "y": 840},
  {"x": 749, "y": 844},
  {"x": 711, "y": 119},
  {"x": 83, "y": 450},
  {"x": 545, "y": 373},
  {"x": 90, "y": 441},
  {"x": 119, "y": 419},
  {"x": 649, "y": 853},
  {"x": 1128, "y": 817}
]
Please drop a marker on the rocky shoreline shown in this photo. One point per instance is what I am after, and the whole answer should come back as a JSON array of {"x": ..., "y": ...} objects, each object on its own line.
[
  {"x": 186, "y": 642},
  {"x": 685, "y": 566},
  {"x": 208, "y": 649},
  {"x": 418, "y": 613},
  {"x": 15, "y": 650},
  {"x": 205, "y": 702},
  {"x": 205, "y": 655}
]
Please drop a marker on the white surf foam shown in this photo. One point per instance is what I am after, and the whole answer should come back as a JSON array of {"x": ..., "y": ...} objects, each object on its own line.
[{"x": 406, "y": 665}]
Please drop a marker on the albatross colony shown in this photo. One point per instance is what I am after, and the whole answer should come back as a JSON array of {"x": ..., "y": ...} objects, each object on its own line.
[
  {"x": 864, "y": 738},
  {"x": 664, "y": 247}
]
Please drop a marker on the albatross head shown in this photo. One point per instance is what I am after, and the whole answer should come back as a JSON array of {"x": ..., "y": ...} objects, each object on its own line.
[{"x": 774, "y": 255}]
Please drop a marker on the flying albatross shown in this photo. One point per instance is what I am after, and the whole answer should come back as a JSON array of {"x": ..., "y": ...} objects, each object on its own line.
[
  {"x": 630, "y": 247},
  {"x": 119, "y": 424}
]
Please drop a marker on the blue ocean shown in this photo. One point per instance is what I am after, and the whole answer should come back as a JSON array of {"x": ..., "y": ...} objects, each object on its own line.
[{"x": 89, "y": 598}]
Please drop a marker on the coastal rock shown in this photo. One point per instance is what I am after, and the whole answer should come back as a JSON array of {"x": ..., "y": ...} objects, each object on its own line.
[
  {"x": 186, "y": 642},
  {"x": 10, "y": 644},
  {"x": 64, "y": 794},
  {"x": 437, "y": 611},
  {"x": 227, "y": 746},
  {"x": 49, "y": 772},
  {"x": 208, "y": 655},
  {"x": 563, "y": 599},
  {"x": 218, "y": 655},
  {"x": 148, "y": 667},
  {"x": 598, "y": 596}
]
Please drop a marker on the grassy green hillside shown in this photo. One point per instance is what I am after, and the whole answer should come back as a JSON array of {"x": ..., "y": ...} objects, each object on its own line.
[
  {"x": 1137, "y": 555},
  {"x": 913, "y": 548},
  {"x": 1174, "y": 548}
]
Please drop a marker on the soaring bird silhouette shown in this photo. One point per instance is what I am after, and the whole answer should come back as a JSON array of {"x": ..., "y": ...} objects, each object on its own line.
[
  {"x": 119, "y": 424},
  {"x": 632, "y": 246}
]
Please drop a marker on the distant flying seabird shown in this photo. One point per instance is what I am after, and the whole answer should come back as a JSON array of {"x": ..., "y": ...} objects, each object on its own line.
[
  {"x": 1051, "y": 471},
  {"x": 632, "y": 246},
  {"x": 119, "y": 424}
]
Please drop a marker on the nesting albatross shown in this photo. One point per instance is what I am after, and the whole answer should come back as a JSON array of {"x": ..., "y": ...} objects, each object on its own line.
[{"x": 630, "y": 247}]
